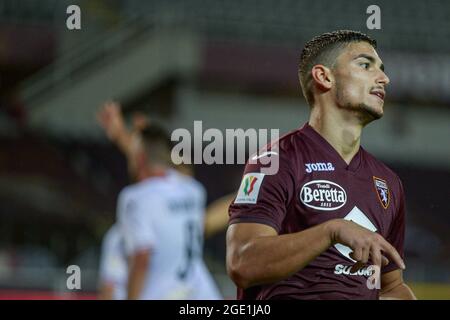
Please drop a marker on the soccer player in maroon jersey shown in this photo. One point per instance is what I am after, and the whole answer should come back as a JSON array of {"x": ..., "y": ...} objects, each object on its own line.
[{"x": 330, "y": 223}]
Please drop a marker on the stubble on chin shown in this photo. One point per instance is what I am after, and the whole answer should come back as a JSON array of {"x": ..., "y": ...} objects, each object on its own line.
[
  {"x": 372, "y": 112},
  {"x": 365, "y": 112}
]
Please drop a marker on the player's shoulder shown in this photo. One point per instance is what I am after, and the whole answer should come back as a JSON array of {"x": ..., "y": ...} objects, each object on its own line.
[
  {"x": 189, "y": 183},
  {"x": 142, "y": 188},
  {"x": 282, "y": 147},
  {"x": 381, "y": 169},
  {"x": 293, "y": 145},
  {"x": 285, "y": 152},
  {"x": 128, "y": 191},
  {"x": 111, "y": 236},
  {"x": 112, "y": 231},
  {"x": 139, "y": 195},
  {"x": 289, "y": 142},
  {"x": 288, "y": 148},
  {"x": 184, "y": 178},
  {"x": 197, "y": 185}
]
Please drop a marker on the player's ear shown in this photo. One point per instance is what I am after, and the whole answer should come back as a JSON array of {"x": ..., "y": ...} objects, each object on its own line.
[{"x": 322, "y": 77}]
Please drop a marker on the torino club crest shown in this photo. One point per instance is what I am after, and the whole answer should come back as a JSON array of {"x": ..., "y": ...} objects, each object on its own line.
[{"x": 382, "y": 190}]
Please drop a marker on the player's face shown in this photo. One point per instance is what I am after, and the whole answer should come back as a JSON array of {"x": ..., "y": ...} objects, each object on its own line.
[{"x": 360, "y": 81}]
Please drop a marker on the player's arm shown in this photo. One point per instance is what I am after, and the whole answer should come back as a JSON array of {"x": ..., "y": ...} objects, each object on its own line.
[
  {"x": 392, "y": 284},
  {"x": 139, "y": 238},
  {"x": 216, "y": 217},
  {"x": 106, "y": 291},
  {"x": 110, "y": 117},
  {"x": 393, "y": 287},
  {"x": 107, "y": 276},
  {"x": 138, "y": 269},
  {"x": 256, "y": 254}
]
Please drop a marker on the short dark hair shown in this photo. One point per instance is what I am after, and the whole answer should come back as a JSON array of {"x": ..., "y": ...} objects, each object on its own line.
[
  {"x": 324, "y": 49},
  {"x": 157, "y": 144}
]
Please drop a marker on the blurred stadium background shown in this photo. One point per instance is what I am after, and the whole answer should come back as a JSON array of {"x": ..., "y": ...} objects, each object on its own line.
[{"x": 231, "y": 64}]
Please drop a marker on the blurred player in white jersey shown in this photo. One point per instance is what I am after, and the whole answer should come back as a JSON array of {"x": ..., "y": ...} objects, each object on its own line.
[
  {"x": 113, "y": 271},
  {"x": 161, "y": 218}
]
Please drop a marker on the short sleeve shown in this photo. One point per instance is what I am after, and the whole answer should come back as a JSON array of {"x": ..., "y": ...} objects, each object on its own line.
[
  {"x": 396, "y": 235},
  {"x": 263, "y": 198},
  {"x": 110, "y": 257},
  {"x": 105, "y": 258},
  {"x": 136, "y": 224}
]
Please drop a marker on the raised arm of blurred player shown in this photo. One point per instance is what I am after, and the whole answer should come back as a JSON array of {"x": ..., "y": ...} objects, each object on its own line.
[
  {"x": 111, "y": 119},
  {"x": 216, "y": 217}
]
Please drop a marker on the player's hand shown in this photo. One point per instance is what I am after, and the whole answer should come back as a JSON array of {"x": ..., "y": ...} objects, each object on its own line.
[
  {"x": 365, "y": 245},
  {"x": 110, "y": 118},
  {"x": 140, "y": 121}
]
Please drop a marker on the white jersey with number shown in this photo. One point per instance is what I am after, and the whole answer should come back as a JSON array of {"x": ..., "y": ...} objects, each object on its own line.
[
  {"x": 113, "y": 263},
  {"x": 166, "y": 215}
]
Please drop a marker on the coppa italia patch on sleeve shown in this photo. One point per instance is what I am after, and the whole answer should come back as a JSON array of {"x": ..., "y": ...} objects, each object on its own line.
[{"x": 249, "y": 189}]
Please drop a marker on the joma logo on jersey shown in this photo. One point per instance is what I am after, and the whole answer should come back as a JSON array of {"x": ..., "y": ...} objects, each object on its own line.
[
  {"x": 323, "y": 195},
  {"x": 319, "y": 166}
]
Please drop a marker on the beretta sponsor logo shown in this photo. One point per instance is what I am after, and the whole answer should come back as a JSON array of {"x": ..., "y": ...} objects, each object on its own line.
[{"x": 323, "y": 195}]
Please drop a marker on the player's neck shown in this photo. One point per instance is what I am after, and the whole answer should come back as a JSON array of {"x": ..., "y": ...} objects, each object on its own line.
[
  {"x": 151, "y": 172},
  {"x": 342, "y": 131}
]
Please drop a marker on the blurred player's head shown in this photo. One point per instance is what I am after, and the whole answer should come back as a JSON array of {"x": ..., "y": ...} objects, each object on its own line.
[
  {"x": 151, "y": 147},
  {"x": 153, "y": 152},
  {"x": 344, "y": 69}
]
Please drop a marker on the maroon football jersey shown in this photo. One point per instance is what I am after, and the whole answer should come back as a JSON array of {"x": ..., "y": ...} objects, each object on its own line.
[{"x": 314, "y": 184}]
